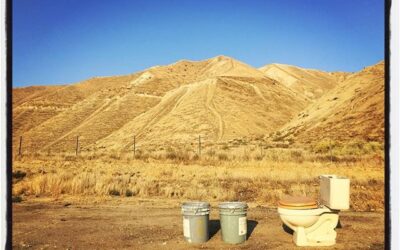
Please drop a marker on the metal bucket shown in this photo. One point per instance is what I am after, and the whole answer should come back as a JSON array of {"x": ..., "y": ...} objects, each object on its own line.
[
  {"x": 233, "y": 221},
  {"x": 195, "y": 221}
]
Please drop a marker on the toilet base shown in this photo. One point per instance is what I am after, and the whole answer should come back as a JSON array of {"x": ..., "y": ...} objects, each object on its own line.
[{"x": 322, "y": 233}]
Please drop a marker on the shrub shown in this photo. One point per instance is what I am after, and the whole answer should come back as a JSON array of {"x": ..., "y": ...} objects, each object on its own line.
[
  {"x": 177, "y": 155},
  {"x": 128, "y": 193},
  {"x": 358, "y": 147},
  {"x": 222, "y": 157},
  {"x": 142, "y": 156},
  {"x": 323, "y": 146},
  {"x": 115, "y": 157},
  {"x": 114, "y": 192},
  {"x": 70, "y": 158},
  {"x": 195, "y": 157},
  {"x": 16, "y": 199},
  {"x": 297, "y": 155},
  {"x": 373, "y": 146},
  {"x": 18, "y": 175},
  {"x": 211, "y": 152},
  {"x": 225, "y": 147},
  {"x": 259, "y": 157}
]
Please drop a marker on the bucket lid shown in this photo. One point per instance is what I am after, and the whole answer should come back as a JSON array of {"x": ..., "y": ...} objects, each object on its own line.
[
  {"x": 195, "y": 205},
  {"x": 233, "y": 205}
]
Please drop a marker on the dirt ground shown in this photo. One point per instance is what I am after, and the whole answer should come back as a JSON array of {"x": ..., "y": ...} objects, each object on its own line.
[{"x": 132, "y": 223}]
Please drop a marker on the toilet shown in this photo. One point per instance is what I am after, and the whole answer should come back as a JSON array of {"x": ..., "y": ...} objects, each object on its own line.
[{"x": 314, "y": 222}]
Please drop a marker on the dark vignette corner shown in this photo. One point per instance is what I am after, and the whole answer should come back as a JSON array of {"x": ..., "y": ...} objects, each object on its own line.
[
  {"x": 388, "y": 4},
  {"x": 8, "y": 15}
]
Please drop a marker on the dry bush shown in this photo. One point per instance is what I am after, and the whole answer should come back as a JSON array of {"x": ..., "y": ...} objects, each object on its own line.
[
  {"x": 16, "y": 199},
  {"x": 210, "y": 152},
  {"x": 259, "y": 157},
  {"x": 223, "y": 157},
  {"x": 18, "y": 175},
  {"x": 225, "y": 147}
]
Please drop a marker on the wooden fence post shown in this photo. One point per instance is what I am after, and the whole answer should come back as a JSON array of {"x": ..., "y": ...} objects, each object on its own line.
[
  {"x": 20, "y": 146},
  {"x": 134, "y": 146},
  {"x": 199, "y": 146},
  {"x": 77, "y": 145}
]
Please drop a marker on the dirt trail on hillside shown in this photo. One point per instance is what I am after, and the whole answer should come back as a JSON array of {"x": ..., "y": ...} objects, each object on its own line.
[
  {"x": 258, "y": 92},
  {"x": 166, "y": 105},
  {"x": 105, "y": 105},
  {"x": 131, "y": 223},
  {"x": 211, "y": 106}
]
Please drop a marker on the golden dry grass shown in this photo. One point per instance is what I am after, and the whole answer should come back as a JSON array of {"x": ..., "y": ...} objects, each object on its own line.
[{"x": 212, "y": 177}]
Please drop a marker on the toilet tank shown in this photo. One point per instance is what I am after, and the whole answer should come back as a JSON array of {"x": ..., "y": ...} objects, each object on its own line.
[{"x": 335, "y": 191}]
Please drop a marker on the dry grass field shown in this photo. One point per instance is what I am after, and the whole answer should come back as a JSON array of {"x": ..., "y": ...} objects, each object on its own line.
[{"x": 216, "y": 176}]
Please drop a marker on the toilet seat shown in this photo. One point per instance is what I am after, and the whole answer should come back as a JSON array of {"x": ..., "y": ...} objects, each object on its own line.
[
  {"x": 297, "y": 203},
  {"x": 303, "y": 212}
]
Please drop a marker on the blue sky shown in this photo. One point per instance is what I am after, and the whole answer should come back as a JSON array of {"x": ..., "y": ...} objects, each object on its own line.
[{"x": 65, "y": 41}]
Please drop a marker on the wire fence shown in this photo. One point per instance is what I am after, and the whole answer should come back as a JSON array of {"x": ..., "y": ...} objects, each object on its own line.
[
  {"x": 77, "y": 145},
  {"x": 196, "y": 147}
]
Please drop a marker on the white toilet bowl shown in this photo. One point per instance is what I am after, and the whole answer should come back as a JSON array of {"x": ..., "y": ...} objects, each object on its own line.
[
  {"x": 311, "y": 227},
  {"x": 314, "y": 224}
]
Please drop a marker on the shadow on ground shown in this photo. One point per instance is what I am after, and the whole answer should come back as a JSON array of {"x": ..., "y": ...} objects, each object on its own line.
[
  {"x": 251, "y": 225},
  {"x": 287, "y": 229},
  {"x": 214, "y": 227}
]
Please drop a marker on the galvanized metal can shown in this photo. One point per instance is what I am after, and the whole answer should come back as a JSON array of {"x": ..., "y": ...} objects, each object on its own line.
[
  {"x": 233, "y": 219},
  {"x": 195, "y": 221}
]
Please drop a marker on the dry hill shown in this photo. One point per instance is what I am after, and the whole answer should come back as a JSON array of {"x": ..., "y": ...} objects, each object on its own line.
[
  {"x": 308, "y": 82},
  {"x": 218, "y": 98},
  {"x": 218, "y": 109},
  {"x": 353, "y": 110}
]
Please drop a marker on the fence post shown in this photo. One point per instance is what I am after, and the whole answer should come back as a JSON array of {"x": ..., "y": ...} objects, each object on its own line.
[
  {"x": 20, "y": 146},
  {"x": 77, "y": 145},
  {"x": 134, "y": 146},
  {"x": 330, "y": 150},
  {"x": 199, "y": 147}
]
